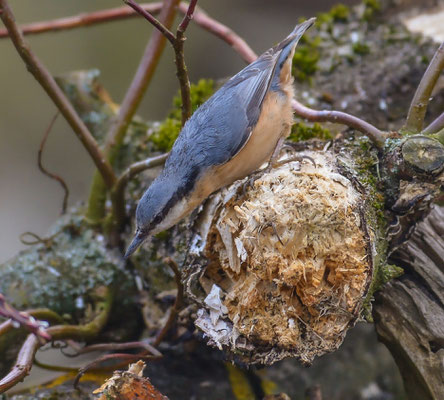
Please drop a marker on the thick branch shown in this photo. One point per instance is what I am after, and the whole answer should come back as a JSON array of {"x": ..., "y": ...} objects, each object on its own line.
[
  {"x": 375, "y": 135},
  {"x": 42, "y": 75},
  {"x": 418, "y": 108}
]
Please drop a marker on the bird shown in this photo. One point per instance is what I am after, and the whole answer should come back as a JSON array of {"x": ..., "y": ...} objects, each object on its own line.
[{"x": 228, "y": 137}]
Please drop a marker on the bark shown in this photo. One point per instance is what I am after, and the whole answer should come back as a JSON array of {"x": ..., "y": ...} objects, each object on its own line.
[{"x": 409, "y": 312}]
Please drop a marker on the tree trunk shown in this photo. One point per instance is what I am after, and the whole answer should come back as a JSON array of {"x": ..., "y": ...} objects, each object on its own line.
[{"x": 409, "y": 312}]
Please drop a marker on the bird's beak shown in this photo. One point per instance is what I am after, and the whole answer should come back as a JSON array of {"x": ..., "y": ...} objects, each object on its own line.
[{"x": 137, "y": 241}]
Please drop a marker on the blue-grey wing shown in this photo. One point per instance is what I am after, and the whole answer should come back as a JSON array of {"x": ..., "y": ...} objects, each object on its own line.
[{"x": 219, "y": 129}]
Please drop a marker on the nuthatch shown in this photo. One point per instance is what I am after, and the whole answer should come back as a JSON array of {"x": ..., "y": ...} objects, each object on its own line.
[{"x": 231, "y": 135}]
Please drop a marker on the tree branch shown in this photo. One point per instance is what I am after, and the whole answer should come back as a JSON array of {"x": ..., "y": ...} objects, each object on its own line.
[
  {"x": 418, "y": 107},
  {"x": 177, "y": 304},
  {"x": 222, "y": 32},
  {"x": 435, "y": 126},
  {"x": 25, "y": 320},
  {"x": 129, "y": 105},
  {"x": 152, "y": 20},
  {"x": 41, "y": 74},
  {"x": 200, "y": 17},
  {"x": 375, "y": 135},
  {"x": 118, "y": 192},
  {"x": 182, "y": 72},
  {"x": 25, "y": 358},
  {"x": 50, "y": 174},
  {"x": 141, "y": 79}
]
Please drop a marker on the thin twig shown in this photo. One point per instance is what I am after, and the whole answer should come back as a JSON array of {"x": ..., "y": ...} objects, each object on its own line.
[
  {"x": 45, "y": 171},
  {"x": 178, "y": 303},
  {"x": 152, "y": 20},
  {"x": 27, "y": 352},
  {"x": 418, "y": 107},
  {"x": 375, "y": 135},
  {"x": 177, "y": 41},
  {"x": 118, "y": 193},
  {"x": 116, "y": 346},
  {"x": 182, "y": 72},
  {"x": 224, "y": 33},
  {"x": 115, "y": 356},
  {"x": 189, "y": 13},
  {"x": 42, "y": 75},
  {"x": 435, "y": 126},
  {"x": 201, "y": 18},
  {"x": 141, "y": 79}
]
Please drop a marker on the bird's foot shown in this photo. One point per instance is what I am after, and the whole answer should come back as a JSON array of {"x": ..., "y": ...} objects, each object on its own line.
[{"x": 279, "y": 163}]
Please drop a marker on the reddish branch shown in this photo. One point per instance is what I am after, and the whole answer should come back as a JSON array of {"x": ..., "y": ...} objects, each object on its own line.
[
  {"x": 84, "y": 332},
  {"x": 177, "y": 41},
  {"x": 142, "y": 78},
  {"x": 418, "y": 108},
  {"x": 50, "y": 174},
  {"x": 22, "y": 319},
  {"x": 42, "y": 75},
  {"x": 375, "y": 135},
  {"x": 201, "y": 18}
]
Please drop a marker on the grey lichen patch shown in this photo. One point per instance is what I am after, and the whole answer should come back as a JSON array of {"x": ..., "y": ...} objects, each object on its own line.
[
  {"x": 292, "y": 260},
  {"x": 61, "y": 272}
]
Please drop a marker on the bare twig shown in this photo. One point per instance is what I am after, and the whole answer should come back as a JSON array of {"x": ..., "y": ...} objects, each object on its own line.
[
  {"x": 178, "y": 303},
  {"x": 182, "y": 73},
  {"x": 375, "y": 135},
  {"x": 152, "y": 20},
  {"x": 418, "y": 107},
  {"x": 45, "y": 171},
  {"x": 118, "y": 346},
  {"x": 22, "y": 319},
  {"x": 42, "y": 75},
  {"x": 222, "y": 32},
  {"x": 128, "y": 358},
  {"x": 141, "y": 79},
  {"x": 435, "y": 126},
  {"x": 58, "y": 332},
  {"x": 177, "y": 41},
  {"x": 118, "y": 192},
  {"x": 201, "y": 18}
]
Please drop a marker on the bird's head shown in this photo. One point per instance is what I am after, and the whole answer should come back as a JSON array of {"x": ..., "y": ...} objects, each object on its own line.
[{"x": 154, "y": 211}]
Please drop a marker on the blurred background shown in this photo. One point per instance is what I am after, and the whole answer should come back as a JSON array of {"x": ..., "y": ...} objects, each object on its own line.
[{"x": 30, "y": 201}]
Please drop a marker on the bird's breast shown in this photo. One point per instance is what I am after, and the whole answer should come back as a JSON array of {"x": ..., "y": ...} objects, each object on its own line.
[{"x": 274, "y": 122}]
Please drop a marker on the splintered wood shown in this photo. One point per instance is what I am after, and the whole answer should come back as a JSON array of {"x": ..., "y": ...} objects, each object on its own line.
[
  {"x": 129, "y": 385},
  {"x": 291, "y": 259}
]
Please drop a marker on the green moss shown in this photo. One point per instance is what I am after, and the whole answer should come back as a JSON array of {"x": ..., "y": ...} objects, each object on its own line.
[
  {"x": 371, "y": 7},
  {"x": 301, "y": 131},
  {"x": 360, "y": 48},
  {"x": 165, "y": 135},
  {"x": 306, "y": 58},
  {"x": 338, "y": 13}
]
